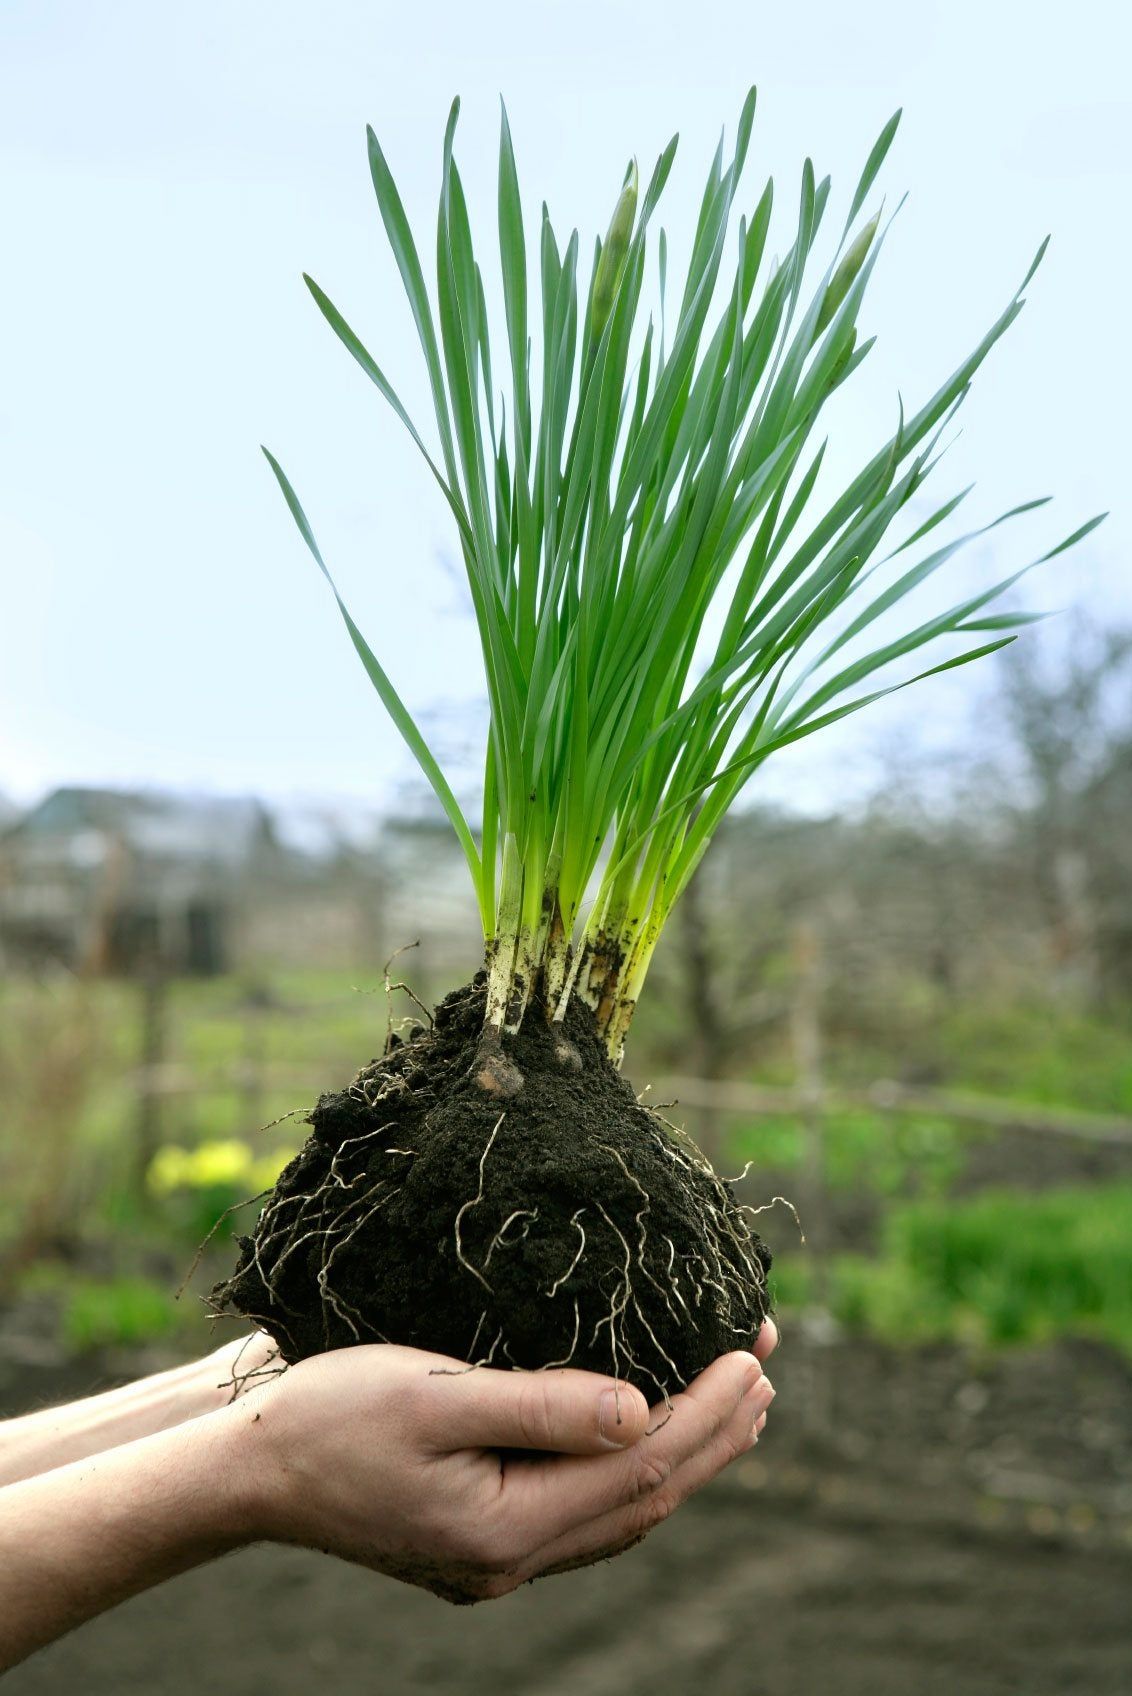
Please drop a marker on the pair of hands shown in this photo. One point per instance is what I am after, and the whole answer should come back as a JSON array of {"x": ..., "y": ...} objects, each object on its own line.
[{"x": 390, "y": 1457}]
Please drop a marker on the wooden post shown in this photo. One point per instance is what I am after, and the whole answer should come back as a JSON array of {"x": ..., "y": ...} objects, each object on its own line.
[
  {"x": 806, "y": 1042},
  {"x": 154, "y": 1010},
  {"x": 257, "y": 1000},
  {"x": 709, "y": 1041}
]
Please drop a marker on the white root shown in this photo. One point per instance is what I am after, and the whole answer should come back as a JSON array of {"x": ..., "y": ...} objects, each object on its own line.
[
  {"x": 352, "y": 1142},
  {"x": 475, "y": 1202},
  {"x": 774, "y": 1202},
  {"x": 501, "y": 1239},
  {"x": 671, "y": 1365},
  {"x": 476, "y": 1337},
  {"x": 642, "y": 1232},
  {"x": 558, "y": 1282},
  {"x": 551, "y": 1364}
]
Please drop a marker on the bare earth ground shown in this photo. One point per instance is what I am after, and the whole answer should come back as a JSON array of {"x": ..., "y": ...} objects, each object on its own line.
[{"x": 971, "y": 1536}]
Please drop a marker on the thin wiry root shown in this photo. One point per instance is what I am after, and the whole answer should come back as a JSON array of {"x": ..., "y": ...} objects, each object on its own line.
[
  {"x": 642, "y": 1233},
  {"x": 271, "y": 1367},
  {"x": 773, "y": 1202},
  {"x": 617, "y": 1343},
  {"x": 502, "y": 1240},
  {"x": 565, "y": 1361},
  {"x": 372, "y": 1091},
  {"x": 673, "y": 1278},
  {"x": 473, "y": 1365},
  {"x": 338, "y": 1304},
  {"x": 671, "y": 1364},
  {"x": 476, "y": 1338},
  {"x": 199, "y": 1255},
  {"x": 581, "y": 1230},
  {"x": 335, "y": 1175},
  {"x": 475, "y": 1202},
  {"x": 391, "y": 987}
]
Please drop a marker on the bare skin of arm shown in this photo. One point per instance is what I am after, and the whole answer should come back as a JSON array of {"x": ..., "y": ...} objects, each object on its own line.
[
  {"x": 384, "y": 1456},
  {"x": 50, "y": 1437}
]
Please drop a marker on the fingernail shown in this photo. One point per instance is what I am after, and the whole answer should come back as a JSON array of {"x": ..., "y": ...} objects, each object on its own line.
[{"x": 610, "y": 1420}]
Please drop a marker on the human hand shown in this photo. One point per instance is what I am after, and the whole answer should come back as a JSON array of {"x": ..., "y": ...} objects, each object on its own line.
[{"x": 389, "y": 1457}]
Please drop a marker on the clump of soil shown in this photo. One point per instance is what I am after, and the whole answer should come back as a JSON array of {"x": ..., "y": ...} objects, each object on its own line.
[{"x": 564, "y": 1225}]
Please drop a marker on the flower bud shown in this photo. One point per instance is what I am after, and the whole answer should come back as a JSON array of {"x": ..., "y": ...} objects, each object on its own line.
[
  {"x": 843, "y": 278},
  {"x": 614, "y": 249}
]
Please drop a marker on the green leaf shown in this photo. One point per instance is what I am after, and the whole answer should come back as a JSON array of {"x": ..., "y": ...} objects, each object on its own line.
[
  {"x": 390, "y": 699},
  {"x": 873, "y": 163}
]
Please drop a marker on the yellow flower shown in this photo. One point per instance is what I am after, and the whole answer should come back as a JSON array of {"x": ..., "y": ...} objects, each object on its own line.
[{"x": 213, "y": 1164}]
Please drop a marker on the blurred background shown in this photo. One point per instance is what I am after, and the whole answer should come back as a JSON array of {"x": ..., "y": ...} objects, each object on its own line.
[
  {"x": 899, "y": 990},
  {"x": 912, "y": 1019}
]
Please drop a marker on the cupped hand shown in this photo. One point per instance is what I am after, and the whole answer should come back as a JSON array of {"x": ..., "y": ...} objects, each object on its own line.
[{"x": 391, "y": 1457}]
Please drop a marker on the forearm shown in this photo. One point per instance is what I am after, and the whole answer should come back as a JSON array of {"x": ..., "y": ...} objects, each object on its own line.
[
  {"x": 78, "y": 1540},
  {"x": 38, "y": 1442}
]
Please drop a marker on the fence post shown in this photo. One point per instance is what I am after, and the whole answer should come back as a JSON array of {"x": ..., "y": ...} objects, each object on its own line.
[
  {"x": 806, "y": 1044},
  {"x": 154, "y": 1009},
  {"x": 708, "y": 1037},
  {"x": 256, "y": 1003}
]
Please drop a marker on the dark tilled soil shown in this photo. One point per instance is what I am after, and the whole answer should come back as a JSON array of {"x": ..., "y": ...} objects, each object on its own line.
[
  {"x": 565, "y": 1224},
  {"x": 969, "y": 1533}
]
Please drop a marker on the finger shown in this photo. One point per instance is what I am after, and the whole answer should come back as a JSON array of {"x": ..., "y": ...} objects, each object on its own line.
[
  {"x": 767, "y": 1340},
  {"x": 563, "y": 1412},
  {"x": 622, "y": 1527},
  {"x": 545, "y": 1501}
]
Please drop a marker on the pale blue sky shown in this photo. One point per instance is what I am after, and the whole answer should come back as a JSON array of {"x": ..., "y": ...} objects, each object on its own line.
[{"x": 167, "y": 172}]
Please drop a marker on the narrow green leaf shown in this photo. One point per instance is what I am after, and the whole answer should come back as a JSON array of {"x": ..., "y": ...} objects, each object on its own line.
[
  {"x": 873, "y": 163},
  {"x": 390, "y": 699}
]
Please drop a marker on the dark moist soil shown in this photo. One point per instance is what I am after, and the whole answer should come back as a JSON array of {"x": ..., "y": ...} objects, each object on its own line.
[{"x": 566, "y": 1224}]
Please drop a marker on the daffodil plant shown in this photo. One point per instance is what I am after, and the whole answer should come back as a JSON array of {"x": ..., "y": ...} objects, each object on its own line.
[{"x": 666, "y": 588}]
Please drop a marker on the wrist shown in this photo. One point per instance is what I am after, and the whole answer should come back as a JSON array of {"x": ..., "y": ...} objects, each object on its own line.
[
  {"x": 256, "y": 1494},
  {"x": 241, "y": 1483}
]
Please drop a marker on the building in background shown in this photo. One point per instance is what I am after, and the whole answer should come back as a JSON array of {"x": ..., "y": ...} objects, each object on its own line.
[{"x": 114, "y": 883}]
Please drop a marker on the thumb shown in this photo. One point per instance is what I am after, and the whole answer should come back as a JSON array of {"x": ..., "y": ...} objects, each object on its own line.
[{"x": 563, "y": 1412}]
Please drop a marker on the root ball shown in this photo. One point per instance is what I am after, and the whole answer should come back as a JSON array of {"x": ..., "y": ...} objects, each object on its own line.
[{"x": 563, "y": 1225}]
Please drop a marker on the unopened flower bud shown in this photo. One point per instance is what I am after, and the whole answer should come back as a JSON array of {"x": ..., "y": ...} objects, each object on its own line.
[
  {"x": 843, "y": 278},
  {"x": 614, "y": 249}
]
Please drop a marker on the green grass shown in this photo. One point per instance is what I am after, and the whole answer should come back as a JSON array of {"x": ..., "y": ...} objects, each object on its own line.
[
  {"x": 1056, "y": 1057},
  {"x": 119, "y": 1311},
  {"x": 1036, "y": 1050},
  {"x": 884, "y": 1154},
  {"x": 998, "y": 1270}
]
